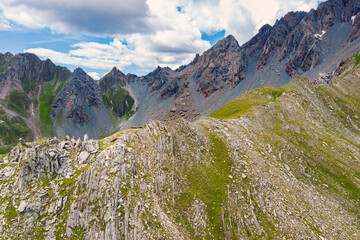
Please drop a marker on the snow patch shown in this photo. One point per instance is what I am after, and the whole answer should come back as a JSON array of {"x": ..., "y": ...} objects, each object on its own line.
[
  {"x": 320, "y": 36},
  {"x": 353, "y": 19}
]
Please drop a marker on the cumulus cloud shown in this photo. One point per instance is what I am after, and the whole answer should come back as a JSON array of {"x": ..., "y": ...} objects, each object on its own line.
[
  {"x": 87, "y": 16},
  {"x": 5, "y": 24},
  {"x": 94, "y": 75},
  {"x": 137, "y": 50},
  {"x": 172, "y": 44},
  {"x": 146, "y": 33},
  {"x": 240, "y": 18}
]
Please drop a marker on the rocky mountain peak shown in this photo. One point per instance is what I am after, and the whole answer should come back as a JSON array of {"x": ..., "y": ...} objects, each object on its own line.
[
  {"x": 158, "y": 78},
  {"x": 79, "y": 72},
  {"x": 79, "y": 92},
  {"x": 29, "y": 70},
  {"x": 8, "y": 55},
  {"x": 265, "y": 29},
  {"x": 291, "y": 19},
  {"x": 115, "y": 78},
  {"x": 5, "y": 59},
  {"x": 226, "y": 44},
  {"x": 223, "y": 64},
  {"x": 277, "y": 36},
  {"x": 116, "y": 72}
]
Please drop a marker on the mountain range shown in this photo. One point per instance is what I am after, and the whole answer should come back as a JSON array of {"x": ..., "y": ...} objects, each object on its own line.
[{"x": 39, "y": 99}]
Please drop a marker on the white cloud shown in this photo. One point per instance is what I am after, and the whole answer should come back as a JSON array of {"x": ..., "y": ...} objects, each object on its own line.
[
  {"x": 86, "y": 16},
  {"x": 155, "y": 32},
  {"x": 241, "y": 18},
  {"x": 5, "y": 24},
  {"x": 139, "y": 51},
  {"x": 94, "y": 75}
]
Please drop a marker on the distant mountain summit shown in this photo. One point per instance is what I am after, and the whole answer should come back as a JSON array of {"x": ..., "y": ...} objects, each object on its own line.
[
  {"x": 79, "y": 109},
  {"x": 115, "y": 94},
  {"x": 115, "y": 78}
]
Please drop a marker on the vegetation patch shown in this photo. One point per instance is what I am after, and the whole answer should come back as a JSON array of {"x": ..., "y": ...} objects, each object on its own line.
[
  {"x": 6, "y": 149},
  {"x": 245, "y": 102},
  {"x": 38, "y": 233},
  {"x": 67, "y": 185},
  {"x": 3, "y": 68},
  {"x": 119, "y": 102},
  {"x": 18, "y": 102},
  {"x": 28, "y": 85},
  {"x": 357, "y": 58},
  {"x": 12, "y": 128},
  {"x": 208, "y": 182},
  {"x": 78, "y": 233},
  {"x": 47, "y": 99},
  {"x": 10, "y": 211}
]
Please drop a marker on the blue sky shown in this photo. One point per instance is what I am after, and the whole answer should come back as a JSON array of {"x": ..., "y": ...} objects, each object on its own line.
[{"x": 134, "y": 36}]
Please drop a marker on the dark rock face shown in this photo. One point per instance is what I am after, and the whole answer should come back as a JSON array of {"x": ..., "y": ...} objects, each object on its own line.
[
  {"x": 79, "y": 92},
  {"x": 115, "y": 78},
  {"x": 294, "y": 37},
  {"x": 158, "y": 78},
  {"x": 29, "y": 70},
  {"x": 255, "y": 45},
  {"x": 5, "y": 59},
  {"x": 223, "y": 65},
  {"x": 352, "y": 8},
  {"x": 277, "y": 36},
  {"x": 170, "y": 89},
  {"x": 355, "y": 30}
]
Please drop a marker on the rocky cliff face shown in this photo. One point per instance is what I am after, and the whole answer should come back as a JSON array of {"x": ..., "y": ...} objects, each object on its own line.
[
  {"x": 79, "y": 108},
  {"x": 274, "y": 163},
  {"x": 222, "y": 66},
  {"x": 296, "y": 38}
]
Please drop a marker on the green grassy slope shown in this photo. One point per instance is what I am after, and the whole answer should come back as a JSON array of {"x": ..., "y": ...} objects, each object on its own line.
[
  {"x": 47, "y": 100},
  {"x": 119, "y": 102},
  {"x": 11, "y": 129}
]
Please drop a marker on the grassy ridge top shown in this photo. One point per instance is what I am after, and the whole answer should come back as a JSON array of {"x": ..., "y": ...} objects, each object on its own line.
[{"x": 244, "y": 103}]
